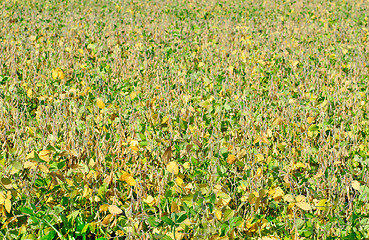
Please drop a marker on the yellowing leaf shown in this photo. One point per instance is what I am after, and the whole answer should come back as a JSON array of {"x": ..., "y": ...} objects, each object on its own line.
[
  {"x": 179, "y": 181},
  {"x": 149, "y": 200},
  {"x": 30, "y": 155},
  {"x": 126, "y": 177},
  {"x": 43, "y": 168},
  {"x": 133, "y": 95},
  {"x": 172, "y": 167},
  {"x": 8, "y": 205},
  {"x": 87, "y": 192},
  {"x": 174, "y": 207},
  {"x": 54, "y": 74},
  {"x": 104, "y": 208},
  {"x": 322, "y": 204},
  {"x": 288, "y": 198},
  {"x": 300, "y": 198},
  {"x": 80, "y": 51},
  {"x": 355, "y": 185},
  {"x": 218, "y": 214},
  {"x": 299, "y": 165},
  {"x": 107, "y": 219},
  {"x": 30, "y": 165},
  {"x": 278, "y": 194},
  {"x": 45, "y": 155},
  {"x": 304, "y": 206},
  {"x": 201, "y": 64},
  {"x": 100, "y": 103},
  {"x": 29, "y": 92},
  {"x": 7, "y": 183},
  {"x": 134, "y": 148},
  {"x": 186, "y": 165},
  {"x": 60, "y": 74},
  {"x": 2, "y": 198},
  {"x": 310, "y": 120},
  {"x": 113, "y": 209},
  {"x": 231, "y": 159}
]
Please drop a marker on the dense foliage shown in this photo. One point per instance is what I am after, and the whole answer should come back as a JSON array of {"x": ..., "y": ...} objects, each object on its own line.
[{"x": 170, "y": 119}]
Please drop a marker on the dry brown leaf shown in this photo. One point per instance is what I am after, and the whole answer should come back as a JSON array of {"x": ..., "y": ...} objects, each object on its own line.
[{"x": 167, "y": 154}]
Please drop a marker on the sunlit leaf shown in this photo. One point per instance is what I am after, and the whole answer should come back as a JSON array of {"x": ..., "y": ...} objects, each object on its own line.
[
  {"x": 100, "y": 103},
  {"x": 304, "y": 206},
  {"x": 355, "y": 185},
  {"x": 8, "y": 205},
  {"x": 173, "y": 168},
  {"x": 126, "y": 177},
  {"x": 231, "y": 158},
  {"x": 115, "y": 210},
  {"x": 218, "y": 214},
  {"x": 149, "y": 200}
]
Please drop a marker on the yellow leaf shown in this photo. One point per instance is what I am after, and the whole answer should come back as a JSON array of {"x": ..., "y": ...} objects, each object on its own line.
[
  {"x": 300, "y": 198},
  {"x": 218, "y": 214},
  {"x": 230, "y": 69},
  {"x": 322, "y": 204},
  {"x": 87, "y": 192},
  {"x": 288, "y": 198},
  {"x": 2, "y": 198},
  {"x": 8, "y": 205},
  {"x": 304, "y": 206},
  {"x": 30, "y": 155},
  {"x": 133, "y": 95},
  {"x": 45, "y": 155},
  {"x": 278, "y": 194},
  {"x": 104, "y": 208},
  {"x": 126, "y": 177},
  {"x": 80, "y": 51},
  {"x": 54, "y": 74},
  {"x": 134, "y": 148},
  {"x": 149, "y": 200},
  {"x": 310, "y": 120},
  {"x": 174, "y": 207},
  {"x": 60, "y": 74},
  {"x": 299, "y": 165},
  {"x": 30, "y": 165},
  {"x": 100, "y": 103},
  {"x": 43, "y": 168},
  {"x": 172, "y": 167},
  {"x": 231, "y": 159},
  {"x": 107, "y": 219},
  {"x": 179, "y": 181},
  {"x": 186, "y": 165},
  {"x": 355, "y": 185},
  {"x": 29, "y": 93},
  {"x": 201, "y": 64},
  {"x": 113, "y": 209}
]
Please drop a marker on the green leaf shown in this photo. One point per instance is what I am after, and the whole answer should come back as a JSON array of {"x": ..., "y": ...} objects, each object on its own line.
[
  {"x": 26, "y": 210},
  {"x": 167, "y": 220},
  {"x": 228, "y": 214},
  {"x": 181, "y": 218},
  {"x": 153, "y": 221}
]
